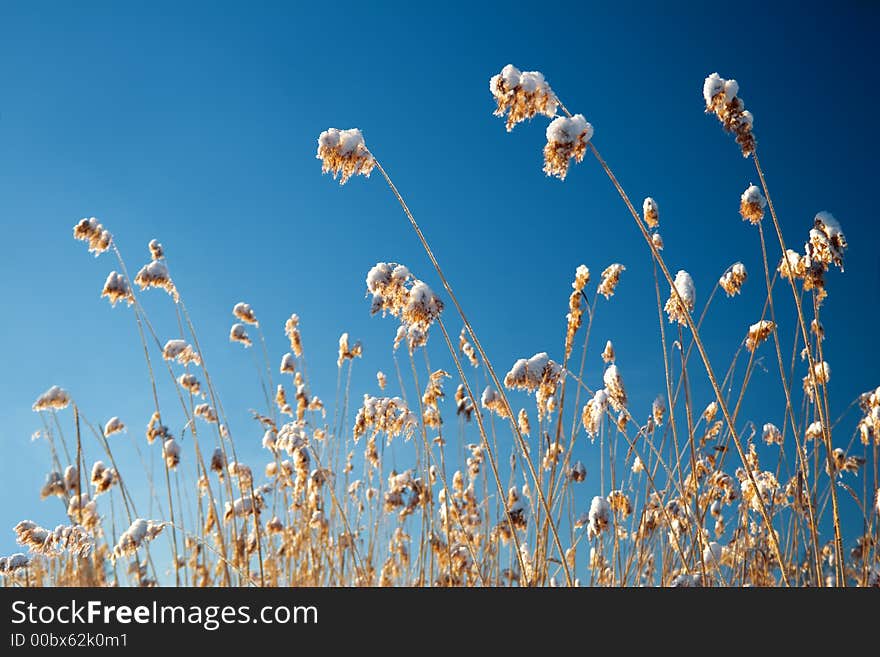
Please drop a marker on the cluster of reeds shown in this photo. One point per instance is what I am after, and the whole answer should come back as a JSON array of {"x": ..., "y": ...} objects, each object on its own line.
[{"x": 492, "y": 495}]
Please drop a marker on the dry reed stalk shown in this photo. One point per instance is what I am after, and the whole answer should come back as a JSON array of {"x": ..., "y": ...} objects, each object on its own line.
[
  {"x": 484, "y": 357},
  {"x": 703, "y": 355},
  {"x": 838, "y": 540}
]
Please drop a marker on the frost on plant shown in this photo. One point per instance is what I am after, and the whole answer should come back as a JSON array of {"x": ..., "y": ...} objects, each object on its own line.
[
  {"x": 752, "y": 204},
  {"x": 521, "y": 95},
  {"x": 566, "y": 140},
  {"x": 397, "y": 292},
  {"x": 91, "y": 231},
  {"x": 732, "y": 279},
  {"x": 684, "y": 286},
  {"x": 723, "y": 101},
  {"x": 344, "y": 154}
]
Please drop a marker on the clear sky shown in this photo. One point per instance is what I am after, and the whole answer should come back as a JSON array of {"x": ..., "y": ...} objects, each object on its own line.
[{"x": 196, "y": 123}]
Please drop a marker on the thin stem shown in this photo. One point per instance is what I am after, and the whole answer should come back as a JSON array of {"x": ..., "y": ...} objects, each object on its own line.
[
  {"x": 826, "y": 430},
  {"x": 491, "y": 370},
  {"x": 703, "y": 355}
]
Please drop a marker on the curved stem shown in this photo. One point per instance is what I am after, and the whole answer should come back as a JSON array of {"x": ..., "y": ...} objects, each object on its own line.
[
  {"x": 774, "y": 541},
  {"x": 826, "y": 430},
  {"x": 491, "y": 370}
]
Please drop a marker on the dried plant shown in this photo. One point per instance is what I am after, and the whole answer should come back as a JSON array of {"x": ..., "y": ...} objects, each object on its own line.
[{"x": 676, "y": 496}]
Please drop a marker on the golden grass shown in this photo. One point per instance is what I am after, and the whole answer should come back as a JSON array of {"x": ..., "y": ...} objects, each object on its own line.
[{"x": 676, "y": 505}]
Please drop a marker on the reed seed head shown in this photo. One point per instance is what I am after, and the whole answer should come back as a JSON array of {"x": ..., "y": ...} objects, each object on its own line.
[
  {"x": 171, "y": 453},
  {"x": 492, "y": 401},
  {"x": 599, "y": 516},
  {"x": 614, "y": 388},
  {"x": 155, "y": 274},
  {"x": 791, "y": 265},
  {"x": 73, "y": 539},
  {"x": 651, "y": 212},
  {"x": 620, "y": 503},
  {"x": 608, "y": 352},
  {"x": 157, "y": 251},
  {"x": 190, "y": 383},
  {"x": 116, "y": 289},
  {"x": 245, "y": 313},
  {"x": 206, "y": 412},
  {"x": 538, "y": 374},
  {"x": 758, "y": 333},
  {"x": 344, "y": 154},
  {"x": 53, "y": 486},
  {"x": 463, "y": 404},
  {"x": 722, "y": 99},
  {"x": 575, "y": 311},
  {"x": 566, "y": 140},
  {"x": 771, "y": 434},
  {"x": 813, "y": 431},
  {"x": 593, "y": 412},
  {"x": 8, "y": 565},
  {"x": 610, "y": 279},
  {"x": 821, "y": 375},
  {"x": 521, "y": 95},
  {"x": 71, "y": 479},
  {"x": 658, "y": 410},
  {"x": 288, "y": 364},
  {"x": 869, "y": 425},
  {"x": 574, "y": 319},
  {"x": 102, "y": 477},
  {"x": 732, "y": 279},
  {"x": 155, "y": 429},
  {"x": 114, "y": 425},
  {"x": 397, "y": 292},
  {"x": 91, "y": 231},
  {"x": 388, "y": 415},
  {"x": 684, "y": 285},
  {"x": 347, "y": 352},
  {"x": 466, "y": 348},
  {"x": 238, "y": 333},
  {"x": 827, "y": 241},
  {"x": 291, "y": 330},
  {"x": 140, "y": 532},
  {"x": 713, "y": 554},
  {"x": 752, "y": 204},
  {"x": 54, "y": 398},
  {"x": 181, "y": 352}
]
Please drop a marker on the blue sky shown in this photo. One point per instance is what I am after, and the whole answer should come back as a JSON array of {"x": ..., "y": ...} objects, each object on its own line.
[{"x": 196, "y": 125}]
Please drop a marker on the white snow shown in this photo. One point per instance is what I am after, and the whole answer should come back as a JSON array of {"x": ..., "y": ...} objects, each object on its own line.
[
  {"x": 753, "y": 195},
  {"x": 712, "y": 554},
  {"x": 611, "y": 377},
  {"x": 378, "y": 277},
  {"x": 831, "y": 227},
  {"x": 770, "y": 433},
  {"x": 288, "y": 364},
  {"x": 761, "y": 326},
  {"x": 713, "y": 85},
  {"x": 242, "y": 309},
  {"x": 54, "y": 397},
  {"x": 345, "y": 141},
  {"x": 489, "y": 396},
  {"x": 154, "y": 270},
  {"x": 531, "y": 81},
  {"x": 686, "y": 288},
  {"x": 114, "y": 425},
  {"x": 564, "y": 130}
]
